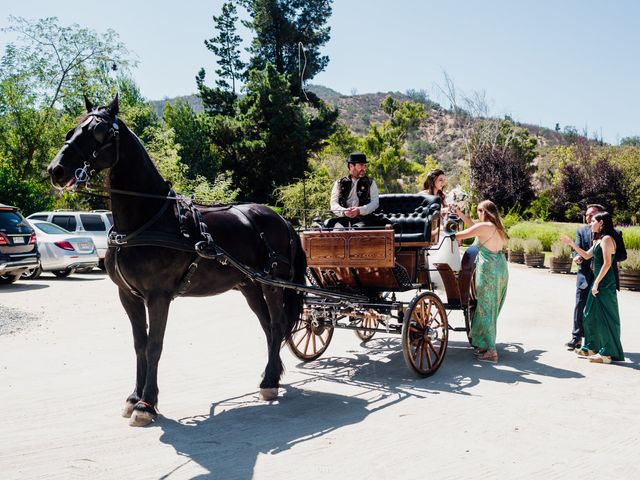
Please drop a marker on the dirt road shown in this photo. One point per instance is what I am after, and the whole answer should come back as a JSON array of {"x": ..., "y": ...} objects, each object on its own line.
[{"x": 67, "y": 365}]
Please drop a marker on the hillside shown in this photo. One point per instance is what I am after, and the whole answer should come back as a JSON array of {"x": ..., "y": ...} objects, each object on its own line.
[{"x": 441, "y": 136}]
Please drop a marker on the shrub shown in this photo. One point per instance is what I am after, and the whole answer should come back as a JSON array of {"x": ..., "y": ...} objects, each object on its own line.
[
  {"x": 547, "y": 233},
  {"x": 632, "y": 262},
  {"x": 515, "y": 245},
  {"x": 532, "y": 246},
  {"x": 631, "y": 236},
  {"x": 560, "y": 251}
]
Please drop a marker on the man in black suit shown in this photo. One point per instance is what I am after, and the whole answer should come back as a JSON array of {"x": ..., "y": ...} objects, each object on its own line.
[{"x": 584, "y": 239}]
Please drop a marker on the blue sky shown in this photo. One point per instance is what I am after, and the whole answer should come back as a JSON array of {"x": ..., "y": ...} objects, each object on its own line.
[{"x": 544, "y": 62}]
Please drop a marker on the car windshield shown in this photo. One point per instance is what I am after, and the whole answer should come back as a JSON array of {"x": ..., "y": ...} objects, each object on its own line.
[{"x": 51, "y": 228}]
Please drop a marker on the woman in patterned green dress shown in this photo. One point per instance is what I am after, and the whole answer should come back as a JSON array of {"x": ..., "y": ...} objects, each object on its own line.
[
  {"x": 492, "y": 276},
  {"x": 601, "y": 316}
]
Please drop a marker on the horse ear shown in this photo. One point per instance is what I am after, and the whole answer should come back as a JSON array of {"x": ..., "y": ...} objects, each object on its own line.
[
  {"x": 88, "y": 104},
  {"x": 113, "y": 106}
]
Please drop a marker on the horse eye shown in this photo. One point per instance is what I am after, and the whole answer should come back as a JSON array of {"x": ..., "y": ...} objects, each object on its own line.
[{"x": 100, "y": 132}]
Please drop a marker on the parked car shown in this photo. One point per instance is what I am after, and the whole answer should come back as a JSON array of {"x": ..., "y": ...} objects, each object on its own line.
[
  {"x": 61, "y": 252},
  {"x": 95, "y": 224},
  {"x": 18, "y": 248}
]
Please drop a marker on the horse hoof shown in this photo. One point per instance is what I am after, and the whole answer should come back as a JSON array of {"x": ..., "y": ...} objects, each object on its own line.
[
  {"x": 128, "y": 409},
  {"x": 141, "y": 418},
  {"x": 268, "y": 393}
]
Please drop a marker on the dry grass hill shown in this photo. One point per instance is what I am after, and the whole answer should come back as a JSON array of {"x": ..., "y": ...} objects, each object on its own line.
[{"x": 441, "y": 136}]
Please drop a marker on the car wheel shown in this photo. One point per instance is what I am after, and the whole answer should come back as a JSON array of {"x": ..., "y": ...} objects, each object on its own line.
[
  {"x": 9, "y": 278},
  {"x": 63, "y": 273},
  {"x": 32, "y": 273}
]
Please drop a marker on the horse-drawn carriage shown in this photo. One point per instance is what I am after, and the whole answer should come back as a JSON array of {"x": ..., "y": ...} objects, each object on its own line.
[
  {"x": 163, "y": 246},
  {"x": 375, "y": 265}
]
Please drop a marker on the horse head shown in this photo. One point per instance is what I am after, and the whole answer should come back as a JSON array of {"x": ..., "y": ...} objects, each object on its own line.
[{"x": 88, "y": 148}]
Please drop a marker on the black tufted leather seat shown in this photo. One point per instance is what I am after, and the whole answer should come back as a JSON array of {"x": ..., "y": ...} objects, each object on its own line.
[{"x": 410, "y": 214}]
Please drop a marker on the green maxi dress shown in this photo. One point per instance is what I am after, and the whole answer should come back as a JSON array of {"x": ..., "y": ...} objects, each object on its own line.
[
  {"x": 601, "y": 316},
  {"x": 492, "y": 276}
]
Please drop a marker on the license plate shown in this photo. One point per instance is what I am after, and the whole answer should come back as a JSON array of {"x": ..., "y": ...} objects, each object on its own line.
[
  {"x": 18, "y": 240},
  {"x": 84, "y": 245}
]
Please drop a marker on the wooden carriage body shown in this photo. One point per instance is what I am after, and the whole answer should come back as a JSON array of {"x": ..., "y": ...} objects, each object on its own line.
[
  {"x": 386, "y": 259},
  {"x": 372, "y": 262}
]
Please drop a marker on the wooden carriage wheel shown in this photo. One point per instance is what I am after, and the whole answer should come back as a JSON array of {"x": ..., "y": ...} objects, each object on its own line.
[
  {"x": 369, "y": 320},
  {"x": 308, "y": 339},
  {"x": 425, "y": 334}
]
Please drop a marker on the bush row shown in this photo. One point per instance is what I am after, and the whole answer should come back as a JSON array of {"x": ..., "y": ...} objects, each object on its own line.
[{"x": 549, "y": 232}]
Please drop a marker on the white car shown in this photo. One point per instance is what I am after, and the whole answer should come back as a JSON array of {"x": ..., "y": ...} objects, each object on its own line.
[
  {"x": 95, "y": 224},
  {"x": 61, "y": 252}
]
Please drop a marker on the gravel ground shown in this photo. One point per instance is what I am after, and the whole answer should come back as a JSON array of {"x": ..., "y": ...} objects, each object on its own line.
[{"x": 13, "y": 320}]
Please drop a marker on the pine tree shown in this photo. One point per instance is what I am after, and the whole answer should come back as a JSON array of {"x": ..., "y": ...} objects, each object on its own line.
[{"x": 226, "y": 47}]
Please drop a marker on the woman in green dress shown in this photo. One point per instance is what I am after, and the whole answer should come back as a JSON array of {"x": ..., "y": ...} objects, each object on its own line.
[
  {"x": 601, "y": 316},
  {"x": 492, "y": 276}
]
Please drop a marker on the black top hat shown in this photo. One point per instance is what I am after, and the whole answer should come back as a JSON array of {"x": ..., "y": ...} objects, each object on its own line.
[{"x": 357, "y": 157}]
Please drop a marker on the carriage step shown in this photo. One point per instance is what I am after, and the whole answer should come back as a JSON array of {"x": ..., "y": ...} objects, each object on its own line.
[{"x": 457, "y": 329}]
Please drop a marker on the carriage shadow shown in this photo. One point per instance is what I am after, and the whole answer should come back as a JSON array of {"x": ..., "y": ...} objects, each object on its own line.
[
  {"x": 386, "y": 373},
  {"x": 228, "y": 441}
]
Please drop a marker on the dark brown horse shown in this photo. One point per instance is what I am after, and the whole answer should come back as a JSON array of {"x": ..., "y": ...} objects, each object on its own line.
[{"x": 152, "y": 258}]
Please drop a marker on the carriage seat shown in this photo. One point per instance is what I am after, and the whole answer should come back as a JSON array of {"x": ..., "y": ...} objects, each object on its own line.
[{"x": 411, "y": 215}]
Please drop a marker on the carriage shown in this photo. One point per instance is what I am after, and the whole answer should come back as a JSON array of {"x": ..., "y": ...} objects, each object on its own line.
[
  {"x": 163, "y": 246},
  {"x": 375, "y": 270}
]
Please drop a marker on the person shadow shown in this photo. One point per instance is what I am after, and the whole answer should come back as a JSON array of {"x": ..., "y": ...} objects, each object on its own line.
[{"x": 228, "y": 441}]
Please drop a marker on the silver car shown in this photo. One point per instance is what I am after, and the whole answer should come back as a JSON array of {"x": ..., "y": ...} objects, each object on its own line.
[{"x": 61, "y": 252}]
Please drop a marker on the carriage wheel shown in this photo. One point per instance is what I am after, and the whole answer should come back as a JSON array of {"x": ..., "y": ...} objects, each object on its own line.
[
  {"x": 425, "y": 334},
  {"x": 470, "y": 310},
  {"x": 308, "y": 339},
  {"x": 369, "y": 320}
]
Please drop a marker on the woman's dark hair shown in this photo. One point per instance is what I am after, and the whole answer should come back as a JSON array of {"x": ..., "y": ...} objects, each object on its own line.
[
  {"x": 607, "y": 225},
  {"x": 430, "y": 183}
]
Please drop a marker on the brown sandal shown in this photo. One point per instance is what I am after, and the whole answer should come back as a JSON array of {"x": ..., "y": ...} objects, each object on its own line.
[{"x": 489, "y": 356}]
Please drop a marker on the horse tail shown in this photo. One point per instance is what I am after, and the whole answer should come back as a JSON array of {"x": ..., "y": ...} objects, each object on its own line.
[{"x": 294, "y": 300}]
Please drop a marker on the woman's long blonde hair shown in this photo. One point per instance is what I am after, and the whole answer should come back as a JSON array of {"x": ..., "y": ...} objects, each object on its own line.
[{"x": 492, "y": 215}]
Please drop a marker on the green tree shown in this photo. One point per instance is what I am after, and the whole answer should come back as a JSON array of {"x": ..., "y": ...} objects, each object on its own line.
[
  {"x": 384, "y": 145},
  {"x": 226, "y": 47},
  {"x": 280, "y": 27},
  {"x": 29, "y": 195},
  {"x": 192, "y": 133},
  {"x": 633, "y": 141},
  {"x": 271, "y": 137},
  {"x": 44, "y": 72}
]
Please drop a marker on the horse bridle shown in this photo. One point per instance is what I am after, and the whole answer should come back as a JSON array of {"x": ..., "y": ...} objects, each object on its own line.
[{"x": 107, "y": 134}]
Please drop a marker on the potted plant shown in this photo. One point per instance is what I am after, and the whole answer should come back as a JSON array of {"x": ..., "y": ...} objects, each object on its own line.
[
  {"x": 516, "y": 250},
  {"x": 630, "y": 270},
  {"x": 533, "y": 256},
  {"x": 560, "y": 258}
]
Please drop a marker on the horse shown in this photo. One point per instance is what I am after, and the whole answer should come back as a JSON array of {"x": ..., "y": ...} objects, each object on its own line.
[{"x": 159, "y": 244}]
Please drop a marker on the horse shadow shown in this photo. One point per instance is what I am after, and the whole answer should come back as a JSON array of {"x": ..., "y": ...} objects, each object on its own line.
[{"x": 228, "y": 441}]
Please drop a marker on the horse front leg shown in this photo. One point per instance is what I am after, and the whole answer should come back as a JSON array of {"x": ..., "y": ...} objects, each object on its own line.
[
  {"x": 135, "y": 309},
  {"x": 144, "y": 411}
]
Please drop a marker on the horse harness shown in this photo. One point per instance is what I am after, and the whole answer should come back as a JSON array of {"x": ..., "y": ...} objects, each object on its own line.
[
  {"x": 107, "y": 134},
  {"x": 204, "y": 248}
]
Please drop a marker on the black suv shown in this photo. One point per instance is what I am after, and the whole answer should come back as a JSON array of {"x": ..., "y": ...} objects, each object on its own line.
[{"x": 18, "y": 248}]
